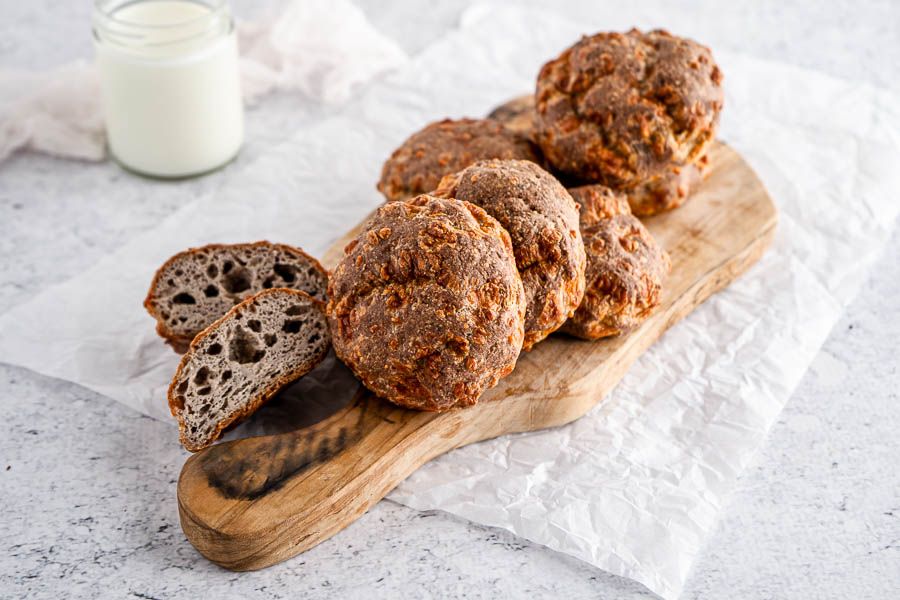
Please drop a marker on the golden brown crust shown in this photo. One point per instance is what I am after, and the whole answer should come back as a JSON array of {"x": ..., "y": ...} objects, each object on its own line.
[
  {"x": 517, "y": 115},
  {"x": 179, "y": 344},
  {"x": 598, "y": 203},
  {"x": 669, "y": 190},
  {"x": 620, "y": 108},
  {"x": 155, "y": 300},
  {"x": 542, "y": 221},
  {"x": 176, "y": 406},
  {"x": 625, "y": 270},
  {"x": 445, "y": 147},
  {"x": 427, "y": 307}
]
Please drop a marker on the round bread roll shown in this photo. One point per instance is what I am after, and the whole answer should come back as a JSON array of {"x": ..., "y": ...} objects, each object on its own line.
[
  {"x": 445, "y": 147},
  {"x": 517, "y": 115},
  {"x": 668, "y": 190},
  {"x": 542, "y": 220},
  {"x": 662, "y": 192},
  {"x": 427, "y": 307},
  {"x": 620, "y": 109},
  {"x": 597, "y": 203},
  {"x": 625, "y": 266}
]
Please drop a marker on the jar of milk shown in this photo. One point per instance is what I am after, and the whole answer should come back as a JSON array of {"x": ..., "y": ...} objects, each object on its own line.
[{"x": 170, "y": 84}]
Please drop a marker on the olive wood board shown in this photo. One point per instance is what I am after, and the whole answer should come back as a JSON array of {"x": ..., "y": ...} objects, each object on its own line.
[{"x": 254, "y": 502}]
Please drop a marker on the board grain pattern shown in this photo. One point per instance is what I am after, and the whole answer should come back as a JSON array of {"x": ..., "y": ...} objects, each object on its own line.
[{"x": 250, "y": 503}]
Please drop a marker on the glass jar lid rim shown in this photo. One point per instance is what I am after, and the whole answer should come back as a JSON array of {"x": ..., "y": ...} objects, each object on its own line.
[
  {"x": 108, "y": 9},
  {"x": 113, "y": 28}
]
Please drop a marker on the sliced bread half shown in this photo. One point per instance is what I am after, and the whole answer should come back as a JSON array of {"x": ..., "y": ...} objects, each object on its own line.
[
  {"x": 196, "y": 287},
  {"x": 240, "y": 361}
]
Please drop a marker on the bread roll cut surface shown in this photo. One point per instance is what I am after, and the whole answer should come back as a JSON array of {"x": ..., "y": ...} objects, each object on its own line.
[
  {"x": 197, "y": 286},
  {"x": 243, "y": 359}
]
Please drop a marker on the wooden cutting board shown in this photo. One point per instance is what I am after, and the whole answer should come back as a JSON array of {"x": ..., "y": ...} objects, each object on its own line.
[{"x": 251, "y": 503}]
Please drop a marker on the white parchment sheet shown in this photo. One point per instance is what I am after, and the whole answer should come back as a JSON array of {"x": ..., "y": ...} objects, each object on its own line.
[{"x": 635, "y": 486}]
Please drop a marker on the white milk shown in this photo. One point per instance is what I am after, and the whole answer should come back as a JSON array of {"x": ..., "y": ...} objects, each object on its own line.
[{"x": 170, "y": 82}]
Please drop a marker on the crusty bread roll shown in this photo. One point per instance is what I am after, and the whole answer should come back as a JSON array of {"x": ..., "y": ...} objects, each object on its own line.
[
  {"x": 517, "y": 115},
  {"x": 665, "y": 191},
  {"x": 427, "y": 307},
  {"x": 668, "y": 190},
  {"x": 542, "y": 221},
  {"x": 622, "y": 109},
  {"x": 626, "y": 267},
  {"x": 445, "y": 147}
]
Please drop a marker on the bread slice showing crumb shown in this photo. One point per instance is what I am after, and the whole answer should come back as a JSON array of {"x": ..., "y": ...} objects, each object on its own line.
[
  {"x": 196, "y": 287},
  {"x": 243, "y": 359}
]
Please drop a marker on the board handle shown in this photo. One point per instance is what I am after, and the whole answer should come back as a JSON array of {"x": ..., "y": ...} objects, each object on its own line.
[{"x": 250, "y": 503}]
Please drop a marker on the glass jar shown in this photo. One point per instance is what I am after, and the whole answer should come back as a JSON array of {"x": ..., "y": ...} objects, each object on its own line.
[{"x": 170, "y": 84}]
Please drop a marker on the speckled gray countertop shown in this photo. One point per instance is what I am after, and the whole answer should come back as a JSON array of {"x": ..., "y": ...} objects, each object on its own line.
[{"x": 87, "y": 486}]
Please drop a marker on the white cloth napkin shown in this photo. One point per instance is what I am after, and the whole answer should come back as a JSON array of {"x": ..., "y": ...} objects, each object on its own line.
[
  {"x": 57, "y": 112},
  {"x": 635, "y": 486},
  {"x": 324, "y": 49}
]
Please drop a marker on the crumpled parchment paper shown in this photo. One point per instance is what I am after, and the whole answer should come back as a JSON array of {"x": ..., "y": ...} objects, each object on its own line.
[{"x": 635, "y": 486}]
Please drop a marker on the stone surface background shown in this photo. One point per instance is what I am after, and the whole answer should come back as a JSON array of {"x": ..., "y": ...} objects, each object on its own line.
[{"x": 87, "y": 486}]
